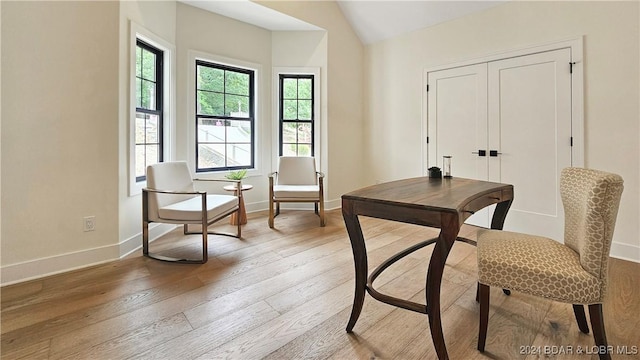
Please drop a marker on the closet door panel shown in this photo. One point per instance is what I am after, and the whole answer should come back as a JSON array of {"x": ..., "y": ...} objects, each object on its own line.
[
  {"x": 530, "y": 128},
  {"x": 457, "y": 121}
]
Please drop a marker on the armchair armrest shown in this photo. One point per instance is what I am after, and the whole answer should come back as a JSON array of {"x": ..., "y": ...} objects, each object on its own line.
[
  {"x": 174, "y": 192},
  {"x": 320, "y": 183},
  {"x": 271, "y": 177},
  {"x": 145, "y": 200},
  {"x": 237, "y": 183}
]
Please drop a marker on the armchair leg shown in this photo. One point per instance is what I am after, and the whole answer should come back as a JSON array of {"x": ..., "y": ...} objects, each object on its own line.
[
  {"x": 145, "y": 247},
  {"x": 599, "y": 335},
  {"x": 322, "y": 222},
  {"x": 205, "y": 250},
  {"x": 145, "y": 238},
  {"x": 483, "y": 295},
  {"x": 205, "y": 239},
  {"x": 581, "y": 318},
  {"x": 271, "y": 215}
]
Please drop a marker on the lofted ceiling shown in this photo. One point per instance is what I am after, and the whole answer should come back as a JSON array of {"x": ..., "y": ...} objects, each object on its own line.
[
  {"x": 253, "y": 13},
  {"x": 373, "y": 20}
]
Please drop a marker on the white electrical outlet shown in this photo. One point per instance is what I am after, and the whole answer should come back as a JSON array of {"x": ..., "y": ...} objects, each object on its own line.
[{"x": 89, "y": 223}]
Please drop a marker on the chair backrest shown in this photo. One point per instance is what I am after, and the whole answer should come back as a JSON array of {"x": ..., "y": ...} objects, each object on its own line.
[
  {"x": 297, "y": 170},
  {"x": 170, "y": 176},
  {"x": 591, "y": 199}
]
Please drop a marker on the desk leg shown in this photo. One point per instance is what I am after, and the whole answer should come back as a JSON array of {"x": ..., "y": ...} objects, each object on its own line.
[
  {"x": 359, "y": 260},
  {"x": 447, "y": 237},
  {"x": 500, "y": 213}
]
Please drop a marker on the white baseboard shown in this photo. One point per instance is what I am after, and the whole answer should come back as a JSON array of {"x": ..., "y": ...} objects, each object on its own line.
[
  {"x": 264, "y": 205},
  {"x": 333, "y": 204},
  {"x": 625, "y": 252},
  {"x": 34, "y": 269},
  {"x": 38, "y": 268}
]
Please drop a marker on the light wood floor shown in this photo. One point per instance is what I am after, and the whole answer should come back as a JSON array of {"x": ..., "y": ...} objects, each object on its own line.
[{"x": 286, "y": 294}]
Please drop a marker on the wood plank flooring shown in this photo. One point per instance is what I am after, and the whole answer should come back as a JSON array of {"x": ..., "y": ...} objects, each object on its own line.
[{"x": 286, "y": 293}]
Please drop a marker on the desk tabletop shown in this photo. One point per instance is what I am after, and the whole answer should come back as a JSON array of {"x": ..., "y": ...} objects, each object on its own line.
[{"x": 445, "y": 194}]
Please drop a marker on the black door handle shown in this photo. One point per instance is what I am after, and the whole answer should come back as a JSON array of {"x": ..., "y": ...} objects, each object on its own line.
[
  {"x": 494, "y": 153},
  {"x": 480, "y": 152}
]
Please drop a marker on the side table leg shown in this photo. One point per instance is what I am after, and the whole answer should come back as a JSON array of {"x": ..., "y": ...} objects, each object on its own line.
[
  {"x": 239, "y": 218},
  {"x": 359, "y": 259}
]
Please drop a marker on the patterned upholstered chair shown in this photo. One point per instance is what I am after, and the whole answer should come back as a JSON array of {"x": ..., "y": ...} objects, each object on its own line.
[
  {"x": 171, "y": 197},
  {"x": 574, "y": 272},
  {"x": 296, "y": 181}
]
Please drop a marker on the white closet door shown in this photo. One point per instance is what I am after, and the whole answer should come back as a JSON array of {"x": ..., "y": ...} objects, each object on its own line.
[
  {"x": 530, "y": 127},
  {"x": 457, "y": 121}
]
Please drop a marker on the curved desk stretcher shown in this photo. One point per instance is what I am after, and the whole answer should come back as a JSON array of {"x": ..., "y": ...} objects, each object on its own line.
[{"x": 434, "y": 202}]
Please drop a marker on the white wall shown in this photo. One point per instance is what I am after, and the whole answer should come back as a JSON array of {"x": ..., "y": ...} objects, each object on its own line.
[
  {"x": 344, "y": 150},
  {"x": 64, "y": 149},
  {"x": 295, "y": 49},
  {"x": 159, "y": 19},
  {"x": 0, "y": 133},
  {"x": 65, "y": 139},
  {"x": 59, "y": 133},
  {"x": 611, "y": 94},
  {"x": 222, "y": 37}
]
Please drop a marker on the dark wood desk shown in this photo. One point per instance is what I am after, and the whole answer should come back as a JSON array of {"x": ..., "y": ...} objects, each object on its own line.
[{"x": 438, "y": 203}]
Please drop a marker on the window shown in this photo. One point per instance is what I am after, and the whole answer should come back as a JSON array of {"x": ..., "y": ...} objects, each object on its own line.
[
  {"x": 149, "y": 94},
  {"x": 225, "y": 120},
  {"x": 152, "y": 99},
  {"x": 297, "y": 115}
]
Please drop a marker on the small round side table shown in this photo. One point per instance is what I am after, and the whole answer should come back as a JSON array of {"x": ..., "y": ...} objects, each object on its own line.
[{"x": 242, "y": 217}]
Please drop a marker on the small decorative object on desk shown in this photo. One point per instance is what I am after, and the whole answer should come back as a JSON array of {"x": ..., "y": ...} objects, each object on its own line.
[
  {"x": 446, "y": 165},
  {"x": 434, "y": 172}
]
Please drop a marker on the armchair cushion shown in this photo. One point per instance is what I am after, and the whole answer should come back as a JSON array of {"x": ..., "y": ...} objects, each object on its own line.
[
  {"x": 173, "y": 176},
  {"x": 535, "y": 265},
  {"x": 296, "y": 191},
  {"x": 190, "y": 210},
  {"x": 294, "y": 170},
  {"x": 591, "y": 199}
]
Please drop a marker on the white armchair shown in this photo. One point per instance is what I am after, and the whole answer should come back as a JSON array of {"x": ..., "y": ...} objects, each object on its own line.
[
  {"x": 296, "y": 181},
  {"x": 170, "y": 197}
]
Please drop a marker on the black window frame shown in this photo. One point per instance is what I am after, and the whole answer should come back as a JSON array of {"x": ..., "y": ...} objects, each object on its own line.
[
  {"x": 282, "y": 120},
  {"x": 159, "y": 101},
  {"x": 251, "y": 115}
]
